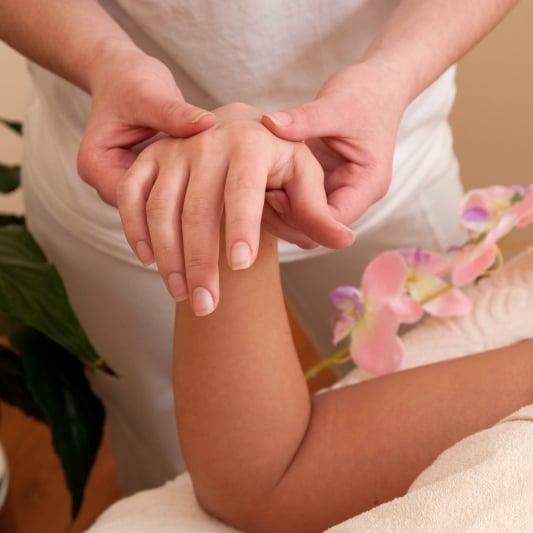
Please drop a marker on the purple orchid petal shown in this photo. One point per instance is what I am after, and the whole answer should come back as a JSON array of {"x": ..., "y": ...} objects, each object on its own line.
[
  {"x": 476, "y": 220},
  {"x": 475, "y": 214},
  {"x": 415, "y": 257},
  {"x": 347, "y": 298}
]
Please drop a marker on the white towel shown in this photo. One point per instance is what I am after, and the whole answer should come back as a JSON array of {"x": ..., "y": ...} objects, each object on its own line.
[
  {"x": 171, "y": 508},
  {"x": 482, "y": 484}
]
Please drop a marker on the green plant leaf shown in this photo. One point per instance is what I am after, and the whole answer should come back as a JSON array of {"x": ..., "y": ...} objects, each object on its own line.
[
  {"x": 5, "y": 220},
  {"x": 9, "y": 178},
  {"x": 58, "y": 384},
  {"x": 32, "y": 292},
  {"x": 13, "y": 387},
  {"x": 10, "y": 174},
  {"x": 12, "y": 125}
]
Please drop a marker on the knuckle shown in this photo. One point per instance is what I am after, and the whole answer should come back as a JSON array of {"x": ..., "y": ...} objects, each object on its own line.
[
  {"x": 242, "y": 183},
  {"x": 171, "y": 107},
  {"x": 126, "y": 190},
  {"x": 251, "y": 136},
  {"x": 200, "y": 262},
  {"x": 157, "y": 203},
  {"x": 196, "y": 211}
]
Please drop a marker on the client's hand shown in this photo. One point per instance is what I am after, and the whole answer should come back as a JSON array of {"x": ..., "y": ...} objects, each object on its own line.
[{"x": 173, "y": 197}]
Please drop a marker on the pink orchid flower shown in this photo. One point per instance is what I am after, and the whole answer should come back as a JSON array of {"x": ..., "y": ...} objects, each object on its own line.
[
  {"x": 425, "y": 284},
  {"x": 488, "y": 215},
  {"x": 373, "y": 314}
]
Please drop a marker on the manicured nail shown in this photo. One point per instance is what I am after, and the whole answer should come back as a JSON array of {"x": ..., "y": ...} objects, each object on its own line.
[
  {"x": 196, "y": 116},
  {"x": 280, "y": 118},
  {"x": 241, "y": 256},
  {"x": 202, "y": 302},
  {"x": 144, "y": 253},
  {"x": 177, "y": 286}
]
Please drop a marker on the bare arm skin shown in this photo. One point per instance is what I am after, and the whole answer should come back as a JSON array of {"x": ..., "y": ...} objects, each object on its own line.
[
  {"x": 64, "y": 36},
  {"x": 265, "y": 457},
  {"x": 134, "y": 96}
]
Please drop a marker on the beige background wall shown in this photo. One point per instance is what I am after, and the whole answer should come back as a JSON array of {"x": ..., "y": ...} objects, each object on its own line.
[
  {"x": 493, "y": 115},
  {"x": 492, "y": 119}
]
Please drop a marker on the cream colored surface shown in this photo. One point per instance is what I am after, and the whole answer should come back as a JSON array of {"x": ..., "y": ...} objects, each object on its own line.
[
  {"x": 493, "y": 115},
  {"x": 492, "y": 119}
]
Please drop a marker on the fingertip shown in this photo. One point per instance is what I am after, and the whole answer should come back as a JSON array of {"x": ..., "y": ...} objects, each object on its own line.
[
  {"x": 344, "y": 237},
  {"x": 144, "y": 252},
  {"x": 195, "y": 116},
  {"x": 280, "y": 119},
  {"x": 202, "y": 302},
  {"x": 240, "y": 257},
  {"x": 351, "y": 238}
]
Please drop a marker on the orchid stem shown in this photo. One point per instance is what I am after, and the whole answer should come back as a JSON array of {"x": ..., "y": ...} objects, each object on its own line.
[{"x": 340, "y": 356}]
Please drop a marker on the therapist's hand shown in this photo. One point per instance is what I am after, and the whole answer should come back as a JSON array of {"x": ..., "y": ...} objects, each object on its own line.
[
  {"x": 134, "y": 98},
  {"x": 175, "y": 196},
  {"x": 351, "y": 128}
]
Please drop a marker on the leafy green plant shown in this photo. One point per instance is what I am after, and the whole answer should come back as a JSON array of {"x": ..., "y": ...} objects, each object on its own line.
[{"x": 43, "y": 349}]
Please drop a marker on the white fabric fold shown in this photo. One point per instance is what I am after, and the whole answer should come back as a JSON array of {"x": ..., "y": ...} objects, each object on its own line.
[{"x": 483, "y": 483}]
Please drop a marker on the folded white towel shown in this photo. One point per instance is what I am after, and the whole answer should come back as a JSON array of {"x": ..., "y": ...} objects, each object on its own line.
[
  {"x": 483, "y": 483},
  {"x": 171, "y": 508}
]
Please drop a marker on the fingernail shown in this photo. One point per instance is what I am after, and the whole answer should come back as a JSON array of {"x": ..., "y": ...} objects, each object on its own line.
[
  {"x": 280, "y": 118},
  {"x": 196, "y": 116},
  {"x": 241, "y": 256},
  {"x": 144, "y": 253},
  {"x": 202, "y": 302},
  {"x": 349, "y": 231},
  {"x": 274, "y": 203},
  {"x": 177, "y": 286}
]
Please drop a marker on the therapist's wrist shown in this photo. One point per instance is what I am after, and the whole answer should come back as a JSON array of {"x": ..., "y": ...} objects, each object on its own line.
[{"x": 108, "y": 58}]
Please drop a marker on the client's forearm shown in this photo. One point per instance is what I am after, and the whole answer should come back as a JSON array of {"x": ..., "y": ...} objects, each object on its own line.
[
  {"x": 242, "y": 403},
  {"x": 264, "y": 459}
]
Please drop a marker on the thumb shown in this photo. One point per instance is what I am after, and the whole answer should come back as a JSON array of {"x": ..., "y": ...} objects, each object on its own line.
[
  {"x": 175, "y": 117},
  {"x": 307, "y": 121}
]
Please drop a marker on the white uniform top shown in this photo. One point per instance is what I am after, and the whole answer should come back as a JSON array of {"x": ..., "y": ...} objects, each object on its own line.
[{"x": 269, "y": 53}]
